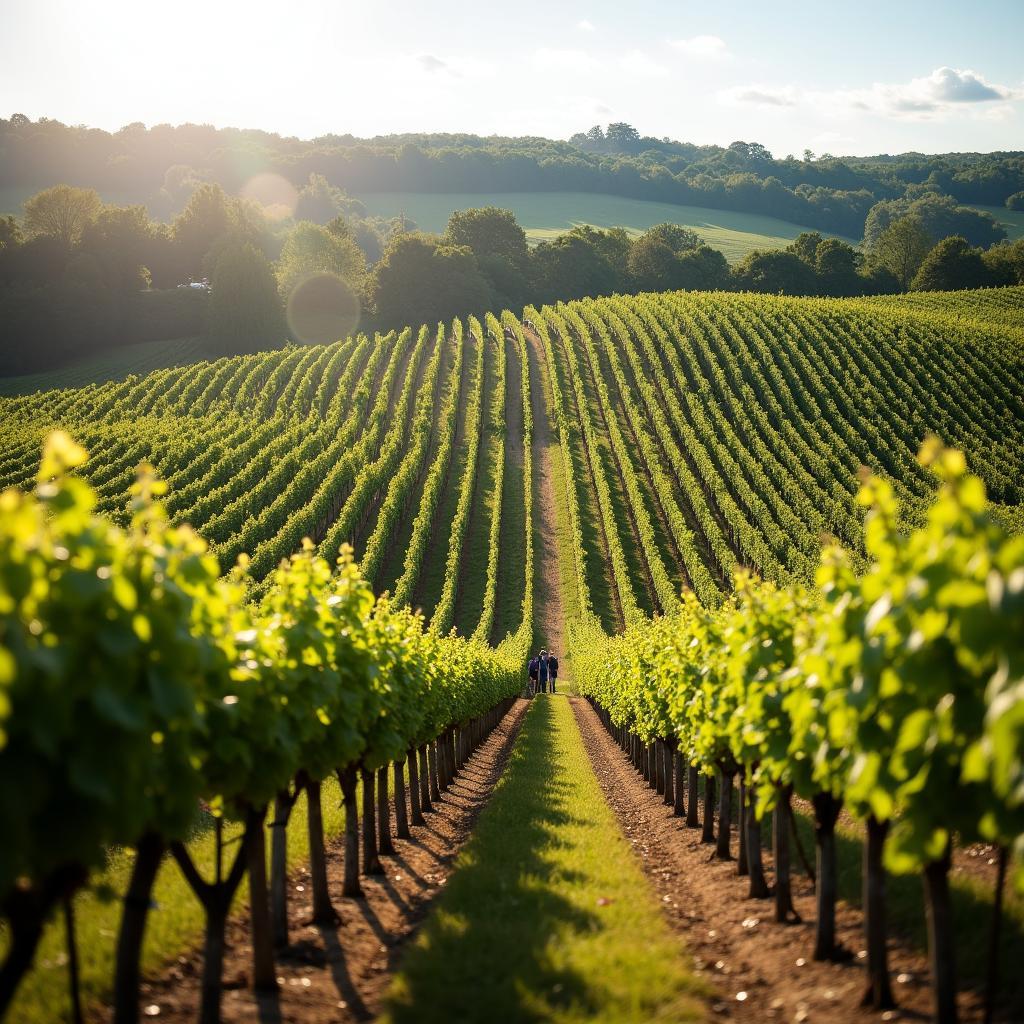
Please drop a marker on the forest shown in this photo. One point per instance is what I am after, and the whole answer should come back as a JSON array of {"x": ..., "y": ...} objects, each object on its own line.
[{"x": 157, "y": 165}]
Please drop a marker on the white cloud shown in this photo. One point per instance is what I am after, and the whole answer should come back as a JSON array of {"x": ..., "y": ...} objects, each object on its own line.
[
  {"x": 431, "y": 64},
  {"x": 939, "y": 94},
  {"x": 950, "y": 85},
  {"x": 761, "y": 95},
  {"x": 586, "y": 26},
  {"x": 637, "y": 63},
  {"x": 552, "y": 59},
  {"x": 703, "y": 47}
]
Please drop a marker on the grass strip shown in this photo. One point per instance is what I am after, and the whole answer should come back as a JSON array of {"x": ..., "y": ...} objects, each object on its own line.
[{"x": 548, "y": 915}]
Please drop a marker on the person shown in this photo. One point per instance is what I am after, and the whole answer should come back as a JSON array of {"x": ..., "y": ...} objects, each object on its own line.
[
  {"x": 542, "y": 671},
  {"x": 533, "y": 669},
  {"x": 552, "y": 670}
]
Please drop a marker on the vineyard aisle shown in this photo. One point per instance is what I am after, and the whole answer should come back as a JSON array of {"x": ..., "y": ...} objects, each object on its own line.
[
  {"x": 549, "y": 616},
  {"x": 548, "y": 915}
]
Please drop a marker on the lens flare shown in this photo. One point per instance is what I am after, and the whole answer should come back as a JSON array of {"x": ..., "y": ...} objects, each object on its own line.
[
  {"x": 322, "y": 308},
  {"x": 275, "y": 195}
]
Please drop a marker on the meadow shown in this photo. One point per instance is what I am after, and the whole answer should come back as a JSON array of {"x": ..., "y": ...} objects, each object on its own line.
[{"x": 544, "y": 215}]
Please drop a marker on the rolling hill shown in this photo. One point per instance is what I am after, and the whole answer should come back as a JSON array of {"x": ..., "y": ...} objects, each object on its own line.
[
  {"x": 545, "y": 215},
  {"x": 683, "y": 435},
  {"x": 562, "y": 476}
]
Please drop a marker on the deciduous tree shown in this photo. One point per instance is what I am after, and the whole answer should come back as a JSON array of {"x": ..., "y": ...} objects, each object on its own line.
[
  {"x": 245, "y": 311},
  {"x": 488, "y": 231},
  {"x": 312, "y": 249},
  {"x": 421, "y": 280},
  {"x": 62, "y": 212},
  {"x": 901, "y": 249},
  {"x": 777, "y": 272},
  {"x": 951, "y": 265}
]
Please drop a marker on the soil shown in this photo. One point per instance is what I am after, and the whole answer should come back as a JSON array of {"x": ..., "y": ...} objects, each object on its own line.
[
  {"x": 342, "y": 973},
  {"x": 547, "y": 588},
  {"x": 759, "y": 970}
]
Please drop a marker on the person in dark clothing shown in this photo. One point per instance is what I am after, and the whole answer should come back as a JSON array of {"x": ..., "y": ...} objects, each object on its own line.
[
  {"x": 552, "y": 670},
  {"x": 533, "y": 670},
  {"x": 542, "y": 672}
]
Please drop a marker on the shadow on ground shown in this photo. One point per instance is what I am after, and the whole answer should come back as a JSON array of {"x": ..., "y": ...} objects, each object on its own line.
[{"x": 484, "y": 954}]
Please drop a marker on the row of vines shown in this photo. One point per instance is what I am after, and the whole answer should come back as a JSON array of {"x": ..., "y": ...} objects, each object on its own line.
[
  {"x": 893, "y": 693},
  {"x": 137, "y": 681}
]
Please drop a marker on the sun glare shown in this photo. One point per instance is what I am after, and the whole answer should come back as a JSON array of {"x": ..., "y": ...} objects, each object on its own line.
[
  {"x": 276, "y": 196},
  {"x": 322, "y": 308}
]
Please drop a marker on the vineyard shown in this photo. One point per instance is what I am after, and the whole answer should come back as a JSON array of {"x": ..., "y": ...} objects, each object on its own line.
[
  {"x": 775, "y": 542},
  {"x": 698, "y": 435}
]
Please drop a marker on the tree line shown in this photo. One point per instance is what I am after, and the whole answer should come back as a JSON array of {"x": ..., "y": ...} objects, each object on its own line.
[
  {"x": 78, "y": 276},
  {"x": 158, "y": 165}
]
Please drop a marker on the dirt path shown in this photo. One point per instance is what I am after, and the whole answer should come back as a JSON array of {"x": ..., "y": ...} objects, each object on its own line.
[
  {"x": 341, "y": 974},
  {"x": 549, "y": 619},
  {"x": 734, "y": 941}
]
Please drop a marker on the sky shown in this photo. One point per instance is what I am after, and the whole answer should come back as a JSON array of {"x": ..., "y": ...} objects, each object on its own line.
[{"x": 844, "y": 78}]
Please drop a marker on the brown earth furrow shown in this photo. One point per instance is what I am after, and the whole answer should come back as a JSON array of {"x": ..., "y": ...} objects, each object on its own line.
[
  {"x": 341, "y": 974},
  {"x": 549, "y": 620},
  {"x": 734, "y": 941}
]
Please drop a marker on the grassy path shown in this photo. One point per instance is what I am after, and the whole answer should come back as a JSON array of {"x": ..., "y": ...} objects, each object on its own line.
[{"x": 548, "y": 915}]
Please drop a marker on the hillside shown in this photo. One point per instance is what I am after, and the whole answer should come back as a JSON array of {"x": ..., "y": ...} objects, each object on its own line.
[
  {"x": 513, "y": 518},
  {"x": 545, "y": 215},
  {"x": 115, "y": 364},
  {"x": 685, "y": 435},
  {"x": 559, "y": 476}
]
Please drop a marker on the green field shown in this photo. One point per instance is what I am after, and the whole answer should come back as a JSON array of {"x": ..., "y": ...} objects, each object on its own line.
[
  {"x": 1011, "y": 220},
  {"x": 118, "y": 363},
  {"x": 546, "y": 214}
]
